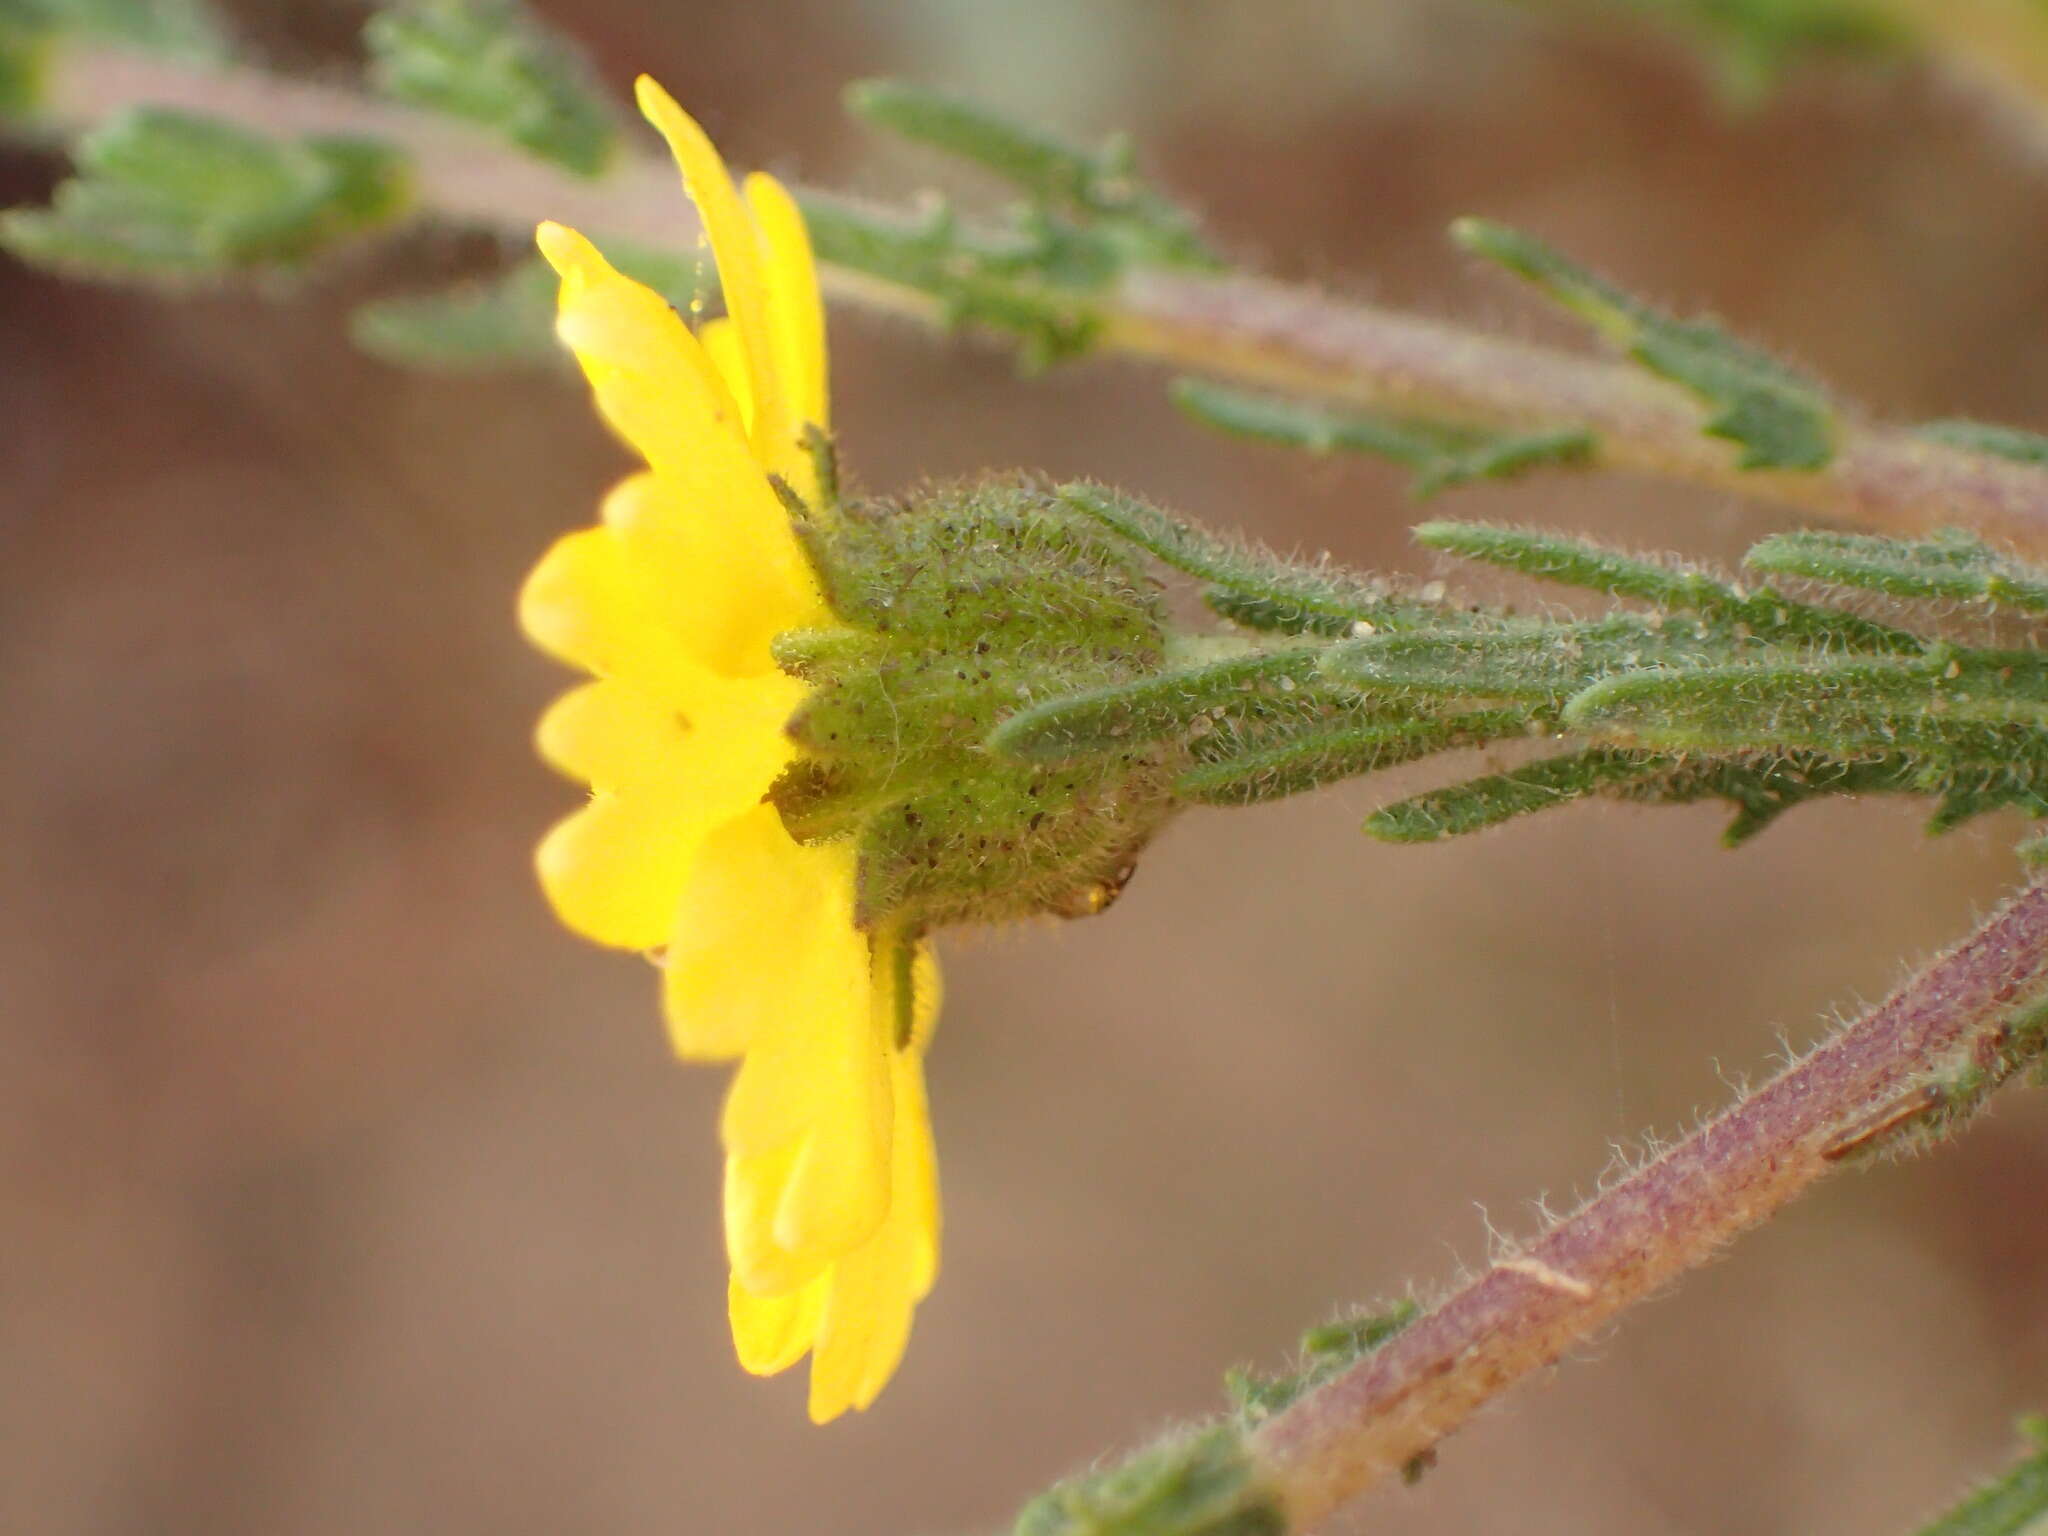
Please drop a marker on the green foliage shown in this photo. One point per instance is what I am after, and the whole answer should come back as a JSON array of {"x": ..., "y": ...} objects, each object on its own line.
[
  {"x": 1036, "y": 281},
  {"x": 175, "y": 196},
  {"x": 1202, "y": 1483},
  {"x": 1441, "y": 455},
  {"x": 1099, "y": 189},
  {"x": 491, "y": 62},
  {"x": 1252, "y": 586},
  {"x": 1499, "y": 797},
  {"x": 186, "y": 29},
  {"x": 1754, "y": 41},
  {"x": 1779, "y": 419},
  {"x": 1327, "y": 1351},
  {"x": 1159, "y": 708},
  {"x": 505, "y": 320},
  {"x": 1084, "y": 220},
  {"x": 1541, "y": 663},
  {"x": 1256, "y": 767},
  {"x": 484, "y": 324},
  {"x": 968, "y": 601},
  {"x": 2014, "y": 1504},
  {"x": 1985, "y": 437},
  {"x": 1760, "y": 614},
  {"x": 1954, "y": 565}
]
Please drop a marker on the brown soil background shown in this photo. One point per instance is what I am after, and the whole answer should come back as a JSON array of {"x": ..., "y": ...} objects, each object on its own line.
[{"x": 340, "y": 1191}]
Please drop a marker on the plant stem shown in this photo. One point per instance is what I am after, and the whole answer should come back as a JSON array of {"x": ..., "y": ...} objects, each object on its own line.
[
  {"x": 1875, "y": 1079},
  {"x": 1242, "y": 328}
]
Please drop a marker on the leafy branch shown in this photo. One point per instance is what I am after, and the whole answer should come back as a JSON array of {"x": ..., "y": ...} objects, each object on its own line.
[{"x": 489, "y": 123}]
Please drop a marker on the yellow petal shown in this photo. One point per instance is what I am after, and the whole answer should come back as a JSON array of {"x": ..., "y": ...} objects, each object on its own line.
[
  {"x": 764, "y": 947},
  {"x": 863, "y": 1327},
  {"x": 742, "y": 273},
  {"x": 771, "y": 1333},
  {"x": 754, "y": 1189},
  {"x": 721, "y": 339},
  {"x": 914, "y": 1185},
  {"x": 585, "y": 604},
  {"x": 723, "y": 575},
  {"x": 652, "y": 380},
  {"x": 614, "y": 871},
  {"x": 796, "y": 313},
  {"x": 615, "y": 736}
]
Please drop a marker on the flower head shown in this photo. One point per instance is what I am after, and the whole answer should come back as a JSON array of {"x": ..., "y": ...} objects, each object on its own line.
[
  {"x": 786, "y": 744},
  {"x": 672, "y": 602}
]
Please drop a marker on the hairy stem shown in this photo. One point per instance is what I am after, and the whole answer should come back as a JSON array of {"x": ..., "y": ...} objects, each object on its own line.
[
  {"x": 1896, "y": 1071},
  {"x": 1266, "y": 333}
]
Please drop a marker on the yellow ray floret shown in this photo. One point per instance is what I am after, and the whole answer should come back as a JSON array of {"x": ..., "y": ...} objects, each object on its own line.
[{"x": 672, "y": 603}]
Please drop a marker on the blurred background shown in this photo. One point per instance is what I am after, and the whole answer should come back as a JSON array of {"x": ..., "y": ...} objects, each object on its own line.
[{"x": 342, "y": 1191}]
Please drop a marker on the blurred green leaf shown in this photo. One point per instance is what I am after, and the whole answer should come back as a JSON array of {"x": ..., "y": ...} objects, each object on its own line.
[
  {"x": 1779, "y": 419},
  {"x": 492, "y": 62},
  {"x": 171, "y": 195},
  {"x": 1441, "y": 455}
]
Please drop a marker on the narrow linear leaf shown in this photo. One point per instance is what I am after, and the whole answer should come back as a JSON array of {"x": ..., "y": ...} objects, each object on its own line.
[
  {"x": 1258, "y": 587},
  {"x": 1486, "y": 802},
  {"x": 1313, "y": 760},
  {"x": 1442, "y": 456},
  {"x": 1538, "y": 662},
  {"x": 1155, "y": 709},
  {"x": 1841, "y": 708},
  {"x": 1779, "y": 419},
  {"x": 1985, "y": 437},
  {"x": 1954, "y": 565},
  {"x": 1763, "y": 614}
]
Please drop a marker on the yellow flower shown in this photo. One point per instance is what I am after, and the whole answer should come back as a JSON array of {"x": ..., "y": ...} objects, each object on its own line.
[{"x": 671, "y": 602}]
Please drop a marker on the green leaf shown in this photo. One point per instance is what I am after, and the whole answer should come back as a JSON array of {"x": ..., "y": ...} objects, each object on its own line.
[
  {"x": 1763, "y": 786},
  {"x": 1754, "y": 41},
  {"x": 1761, "y": 614},
  {"x": 1441, "y": 455},
  {"x": 1154, "y": 709},
  {"x": 1541, "y": 662},
  {"x": 1954, "y": 565},
  {"x": 1042, "y": 284},
  {"x": 186, "y": 29},
  {"x": 1312, "y": 759},
  {"x": 1325, "y": 1352},
  {"x": 1778, "y": 418},
  {"x": 1952, "y": 704},
  {"x": 506, "y": 320},
  {"x": 1253, "y": 586},
  {"x": 1499, "y": 797},
  {"x": 1984, "y": 437},
  {"x": 2014, "y": 1504},
  {"x": 490, "y": 323},
  {"x": 174, "y": 196},
  {"x": 1200, "y": 1483},
  {"x": 1094, "y": 187},
  {"x": 493, "y": 63}
]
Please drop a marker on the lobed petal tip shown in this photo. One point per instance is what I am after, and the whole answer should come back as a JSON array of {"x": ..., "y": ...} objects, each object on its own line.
[{"x": 568, "y": 251}]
